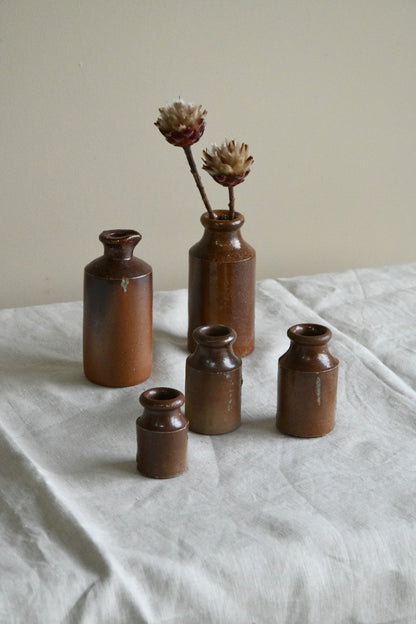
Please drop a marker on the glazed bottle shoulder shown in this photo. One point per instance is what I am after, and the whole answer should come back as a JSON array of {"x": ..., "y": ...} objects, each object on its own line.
[
  {"x": 164, "y": 422},
  {"x": 222, "y": 247},
  {"x": 108, "y": 268},
  {"x": 217, "y": 361},
  {"x": 308, "y": 360}
]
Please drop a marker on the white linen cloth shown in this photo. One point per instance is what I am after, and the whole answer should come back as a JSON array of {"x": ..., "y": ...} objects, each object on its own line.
[{"x": 262, "y": 528}]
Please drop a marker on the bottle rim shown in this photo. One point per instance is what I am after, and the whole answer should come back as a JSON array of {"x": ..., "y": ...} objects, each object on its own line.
[
  {"x": 214, "y": 335},
  {"x": 222, "y": 223},
  {"x": 162, "y": 398},
  {"x": 312, "y": 334}
]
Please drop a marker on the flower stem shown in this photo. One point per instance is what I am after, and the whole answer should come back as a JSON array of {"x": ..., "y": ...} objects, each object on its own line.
[
  {"x": 231, "y": 202},
  {"x": 191, "y": 161}
]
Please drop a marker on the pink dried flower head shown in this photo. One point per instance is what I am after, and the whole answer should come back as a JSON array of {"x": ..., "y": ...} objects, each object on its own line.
[
  {"x": 181, "y": 124},
  {"x": 229, "y": 163}
]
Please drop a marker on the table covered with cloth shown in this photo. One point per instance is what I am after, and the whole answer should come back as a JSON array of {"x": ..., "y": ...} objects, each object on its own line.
[{"x": 262, "y": 527}]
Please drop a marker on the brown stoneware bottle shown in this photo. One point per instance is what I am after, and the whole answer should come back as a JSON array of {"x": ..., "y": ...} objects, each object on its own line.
[
  {"x": 307, "y": 383},
  {"x": 213, "y": 382},
  {"x": 222, "y": 280},
  {"x": 118, "y": 299},
  {"x": 162, "y": 434}
]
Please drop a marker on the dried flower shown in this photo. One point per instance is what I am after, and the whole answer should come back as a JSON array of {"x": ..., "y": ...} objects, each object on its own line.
[
  {"x": 181, "y": 124},
  {"x": 229, "y": 163}
]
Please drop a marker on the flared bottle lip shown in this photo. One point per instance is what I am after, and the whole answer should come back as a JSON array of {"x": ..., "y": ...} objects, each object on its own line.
[
  {"x": 162, "y": 398},
  {"x": 120, "y": 236},
  {"x": 222, "y": 223},
  {"x": 312, "y": 334},
  {"x": 214, "y": 335}
]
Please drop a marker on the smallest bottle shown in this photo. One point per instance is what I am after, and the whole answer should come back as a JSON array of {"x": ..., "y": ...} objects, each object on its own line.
[
  {"x": 213, "y": 381},
  {"x": 162, "y": 434},
  {"x": 307, "y": 383}
]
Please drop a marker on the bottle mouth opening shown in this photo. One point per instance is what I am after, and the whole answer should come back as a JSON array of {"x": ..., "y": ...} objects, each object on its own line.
[
  {"x": 222, "y": 220},
  {"x": 224, "y": 216},
  {"x": 119, "y": 235},
  {"x": 216, "y": 330},
  {"x": 309, "y": 333},
  {"x": 219, "y": 335},
  {"x": 161, "y": 394},
  {"x": 162, "y": 398}
]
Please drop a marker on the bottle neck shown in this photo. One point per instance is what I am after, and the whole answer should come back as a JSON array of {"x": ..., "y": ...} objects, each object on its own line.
[
  {"x": 114, "y": 253},
  {"x": 310, "y": 352},
  {"x": 162, "y": 420},
  {"x": 222, "y": 231},
  {"x": 215, "y": 357},
  {"x": 162, "y": 409},
  {"x": 308, "y": 349},
  {"x": 119, "y": 244},
  {"x": 214, "y": 348}
]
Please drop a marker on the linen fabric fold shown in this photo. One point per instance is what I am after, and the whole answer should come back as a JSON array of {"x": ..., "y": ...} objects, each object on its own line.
[{"x": 262, "y": 527}]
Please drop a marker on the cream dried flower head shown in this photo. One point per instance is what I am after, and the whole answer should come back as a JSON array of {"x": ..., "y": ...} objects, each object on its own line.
[
  {"x": 181, "y": 124},
  {"x": 229, "y": 163}
]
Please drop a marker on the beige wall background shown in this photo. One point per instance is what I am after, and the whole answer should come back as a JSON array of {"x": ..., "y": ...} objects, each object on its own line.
[{"x": 324, "y": 92}]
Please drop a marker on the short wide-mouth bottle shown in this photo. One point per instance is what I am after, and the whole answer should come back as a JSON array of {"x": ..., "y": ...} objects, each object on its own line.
[{"x": 162, "y": 434}]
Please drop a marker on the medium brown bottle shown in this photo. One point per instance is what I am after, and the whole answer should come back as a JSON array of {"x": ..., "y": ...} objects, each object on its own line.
[
  {"x": 222, "y": 280},
  {"x": 162, "y": 434},
  {"x": 213, "y": 381},
  {"x": 118, "y": 299},
  {"x": 307, "y": 383}
]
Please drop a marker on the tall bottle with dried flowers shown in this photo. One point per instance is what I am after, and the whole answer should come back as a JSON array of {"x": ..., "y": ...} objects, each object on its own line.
[{"x": 222, "y": 265}]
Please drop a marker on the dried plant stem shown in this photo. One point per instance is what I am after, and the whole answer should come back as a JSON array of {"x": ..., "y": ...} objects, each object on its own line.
[
  {"x": 231, "y": 202},
  {"x": 191, "y": 161}
]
